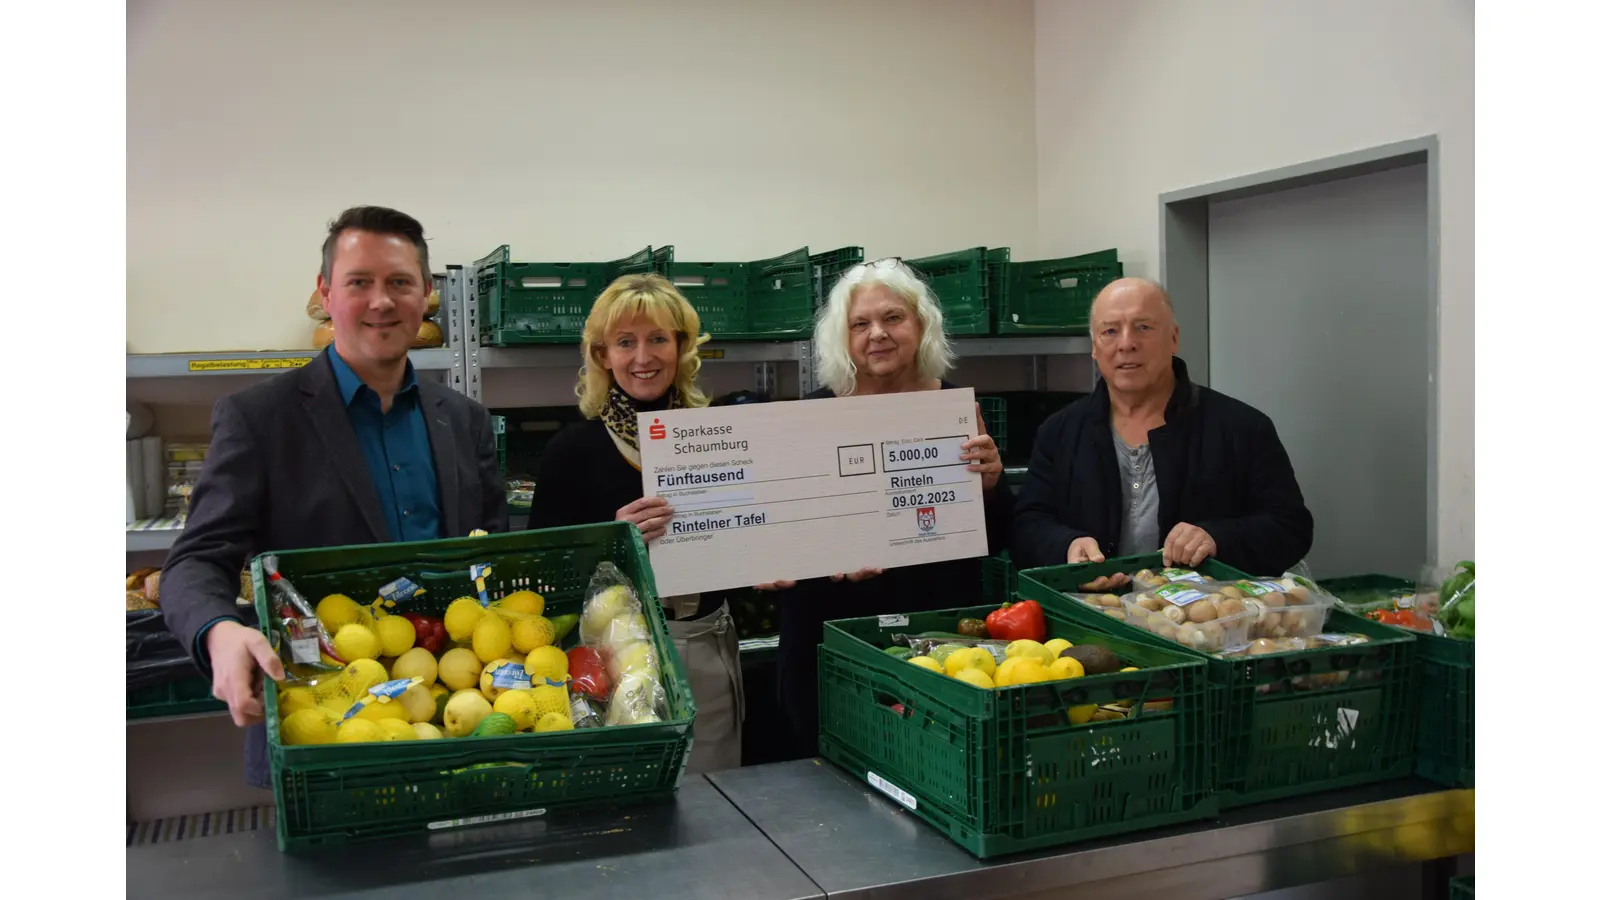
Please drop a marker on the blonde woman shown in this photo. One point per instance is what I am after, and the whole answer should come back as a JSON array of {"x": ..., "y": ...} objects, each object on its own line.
[
  {"x": 640, "y": 354},
  {"x": 881, "y": 332}
]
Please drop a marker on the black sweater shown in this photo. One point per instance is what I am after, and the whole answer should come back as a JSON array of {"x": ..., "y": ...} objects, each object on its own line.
[
  {"x": 1219, "y": 465},
  {"x": 940, "y": 585},
  {"x": 582, "y": 479}
]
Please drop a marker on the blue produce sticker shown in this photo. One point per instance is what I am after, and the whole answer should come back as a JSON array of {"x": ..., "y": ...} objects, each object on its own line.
[
  {"x": 400, "y": 590},
  {"x": 391, "y": 689},
  {"x": 478, "y": 572},
  {"x": 512, "y": 676}
]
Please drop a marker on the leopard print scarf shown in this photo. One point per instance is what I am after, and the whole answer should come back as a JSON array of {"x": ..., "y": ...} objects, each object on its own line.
[{"x": 621, "y": 417}]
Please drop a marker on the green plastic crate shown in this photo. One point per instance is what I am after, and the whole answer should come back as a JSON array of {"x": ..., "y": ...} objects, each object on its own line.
[
  {"x": 1445, "y": 682},
  {"x": 826, "y": 269},
  {"x": 1052, "y": 296},
  {"x": 547, "y": 303},
  {"x": 765, "y": 300},
  {"x": 1285, "y": 743},
  {"x": 332, "y": 794},
  {"x": 184, "y": 697},
  {"x": 999, "y": 578},
  {"x": 1461, "y": 888},
  {"x": 965, "y": 283},
  {"x": 993, "y": 410},
  {"x": 1002, "y": 771}
]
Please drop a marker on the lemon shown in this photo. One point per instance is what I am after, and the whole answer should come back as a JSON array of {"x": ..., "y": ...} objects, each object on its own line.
[
  {"x": 553, "y": 721},
  {"x": 486, "y": 680},
  {"x": 1056, "y": 645},
  {"x": 461, "y": 617},
  {"x": 491, "y": 638},
  {"x": 1021, "y": 670},
  {"x": 360, "y": 731},
  {"x": 308, "y": 726},
  {"x": 1078, "y": 715},
  {"x": 983, "y": 660},
  {"x": 524, "y": 602},
  {"x": 1129, "y": 669},
  {"x": 362, "y": 675},
  {"x": 532, "y": 633},
  {"x": 426, "y": 732},
  {"x": 549, "y": 698},
  {"x": 520, "y": 707},
  {"x": 961, "y": 659},
  {"x": 292, "y": 700},
  {"x": 356, "y": 641},
  {"x": 459, "y": 668},
  {"x": 975, "y": 677},
  {"x": 397, "y": 635},
  {"x": 927, "y": 662},
  {"x": 1034, "y": 649},
  {"x": 416, "y": 663},
  {"x": 418, "y": 703},
  {"x": 546, "y": 662},
  {"x": 336, "y": 611},
  {"x": 1066, "y": 667},
  {"x": 398, "y": 729},
  {"x": 377, "y": 711}
]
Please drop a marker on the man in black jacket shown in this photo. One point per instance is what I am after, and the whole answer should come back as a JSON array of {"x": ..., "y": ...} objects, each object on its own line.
[
  {"x": 351, "y": 449},
  {"x": 1154, "y": 462}
]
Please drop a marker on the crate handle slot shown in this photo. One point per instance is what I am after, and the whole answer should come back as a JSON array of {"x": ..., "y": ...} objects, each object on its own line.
[
  {"x": 689, "y": 281},
  {"x": 551, "y": 281},
  {"x": 1070, "y": 282}
]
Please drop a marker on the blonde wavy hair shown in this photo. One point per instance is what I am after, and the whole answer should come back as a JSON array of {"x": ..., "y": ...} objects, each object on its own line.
[
  {"x": 835, "y": 368},
  {"x": 654, "y": 297}
]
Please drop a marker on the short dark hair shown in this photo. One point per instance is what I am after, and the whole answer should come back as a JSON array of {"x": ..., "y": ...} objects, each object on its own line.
[{"x": 378, "y": 220}]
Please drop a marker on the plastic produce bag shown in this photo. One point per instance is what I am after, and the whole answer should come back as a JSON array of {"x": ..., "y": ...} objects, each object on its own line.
[{"x": 613, "y": 625}]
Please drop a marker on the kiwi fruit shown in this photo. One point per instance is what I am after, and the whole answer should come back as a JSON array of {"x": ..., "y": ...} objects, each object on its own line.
[{"x": 1095, "y": 660}]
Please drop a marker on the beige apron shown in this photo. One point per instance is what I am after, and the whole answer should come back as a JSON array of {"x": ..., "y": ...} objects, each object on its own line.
[{"x": 709, "y": 648}]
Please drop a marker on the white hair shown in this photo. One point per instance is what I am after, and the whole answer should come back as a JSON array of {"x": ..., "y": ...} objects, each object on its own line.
[{"x": 831, "y": 340}]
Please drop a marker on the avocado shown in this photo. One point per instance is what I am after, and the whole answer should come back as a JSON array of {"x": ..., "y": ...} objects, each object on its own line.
[{"x": 1095, "y": 660}]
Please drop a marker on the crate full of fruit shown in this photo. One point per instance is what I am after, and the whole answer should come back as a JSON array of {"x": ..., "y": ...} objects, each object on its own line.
[
  {"x": 1011, "y": 728},
  {"x": 472, "y": 680}
]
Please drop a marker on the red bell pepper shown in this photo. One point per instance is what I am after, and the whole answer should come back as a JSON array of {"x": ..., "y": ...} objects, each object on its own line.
[
  {"x": 1017, "y": 622},
  {"x": 431, "y": 635},
  {"x": 587, "y": 672}
]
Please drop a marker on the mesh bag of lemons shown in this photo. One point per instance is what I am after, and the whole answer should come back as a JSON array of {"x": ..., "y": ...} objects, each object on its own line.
[{"x": 358, "y": 672}]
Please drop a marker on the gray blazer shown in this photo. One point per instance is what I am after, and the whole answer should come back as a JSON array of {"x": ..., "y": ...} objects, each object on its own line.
[{"x": 284, "y": 472}]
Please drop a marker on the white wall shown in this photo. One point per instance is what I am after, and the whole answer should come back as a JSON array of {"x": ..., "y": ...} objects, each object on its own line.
[
  {"x": 1140, "y": 97},
  {"x": 572, "y": 131}
]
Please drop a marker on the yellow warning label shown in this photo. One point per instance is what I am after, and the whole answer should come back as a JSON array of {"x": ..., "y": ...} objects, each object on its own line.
[
  {"x": 247, "y": 365},
  {"x": 711, "y": 353}
]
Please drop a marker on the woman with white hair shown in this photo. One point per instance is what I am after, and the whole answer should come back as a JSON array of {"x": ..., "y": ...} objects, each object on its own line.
[{"x": 881, "y": 332}]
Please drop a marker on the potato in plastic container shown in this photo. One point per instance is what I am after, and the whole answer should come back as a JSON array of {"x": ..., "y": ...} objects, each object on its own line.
[
  {"x": 1110, "y": 604},
  {"x": 1149, "y": 579},
  {"x": 1195, "y": 614}
]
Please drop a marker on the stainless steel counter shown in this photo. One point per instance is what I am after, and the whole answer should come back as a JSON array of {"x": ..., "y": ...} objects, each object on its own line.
[
  {"x": 698, "y": 847},
  {"x": 854, "y": 842}
]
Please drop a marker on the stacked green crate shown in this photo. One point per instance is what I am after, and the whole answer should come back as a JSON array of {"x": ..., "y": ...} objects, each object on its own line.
[
  {"x": 1052, "y": 296},
  {"x": 545, "y": 302},
  {"x": 766, "y": 300},
  {"x": 967, "y": 283}
]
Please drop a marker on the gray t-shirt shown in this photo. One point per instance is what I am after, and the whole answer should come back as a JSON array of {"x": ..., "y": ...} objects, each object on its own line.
[{"x": 1141, "y": 524}]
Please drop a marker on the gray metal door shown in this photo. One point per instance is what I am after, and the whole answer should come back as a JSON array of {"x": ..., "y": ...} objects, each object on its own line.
[{"x": 1319, "y": 317}]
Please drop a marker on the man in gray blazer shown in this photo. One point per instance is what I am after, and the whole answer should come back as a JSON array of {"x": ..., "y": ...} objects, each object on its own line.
[{"x": 350, "y": 449}]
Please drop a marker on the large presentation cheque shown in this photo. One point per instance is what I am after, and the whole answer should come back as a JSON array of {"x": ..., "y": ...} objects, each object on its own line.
[{"x": 782, "y": 491}]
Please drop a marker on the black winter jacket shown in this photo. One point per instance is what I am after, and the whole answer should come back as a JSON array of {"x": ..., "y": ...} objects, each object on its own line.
[{"x": 1219, "y": 465}]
